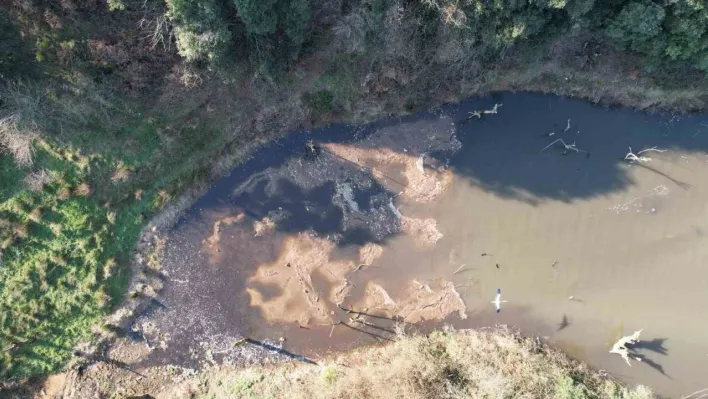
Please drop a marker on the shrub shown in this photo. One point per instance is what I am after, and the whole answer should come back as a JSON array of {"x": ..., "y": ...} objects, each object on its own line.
[{"x": 320, "y": 102}]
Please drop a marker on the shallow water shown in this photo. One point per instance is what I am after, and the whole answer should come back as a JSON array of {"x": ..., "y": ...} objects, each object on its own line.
[{"x": 627, "y": 241}]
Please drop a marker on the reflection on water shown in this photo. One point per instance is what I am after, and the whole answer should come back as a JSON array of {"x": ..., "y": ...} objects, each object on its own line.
[{"x": 415, "y": 223}]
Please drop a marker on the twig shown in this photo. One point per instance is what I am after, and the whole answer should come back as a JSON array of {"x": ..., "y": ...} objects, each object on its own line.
[
  {"x": 567, "y": 147},
  {"x": 689, "y": 396},
  {"x": 567, "y": 127},
  {"x": 459, "y": 268},
  {"x": 332, "y": 330}
]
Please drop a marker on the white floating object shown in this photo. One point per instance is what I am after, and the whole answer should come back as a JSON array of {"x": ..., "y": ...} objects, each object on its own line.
[{"x": 497, "y": 300}]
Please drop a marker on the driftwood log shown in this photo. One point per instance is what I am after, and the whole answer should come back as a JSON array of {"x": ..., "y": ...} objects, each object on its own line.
[{"x": 620, "y": 347}]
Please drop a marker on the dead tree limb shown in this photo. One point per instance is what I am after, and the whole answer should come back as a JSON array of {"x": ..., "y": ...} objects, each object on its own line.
[
  {"x": 620, "y": 347},
  {"x": 479, "y": 113},
  {"x": 632, "y": 157}
]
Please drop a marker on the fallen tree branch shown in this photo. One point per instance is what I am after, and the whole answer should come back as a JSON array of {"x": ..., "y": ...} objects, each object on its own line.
[
  {"x": 481, "y": 112},
  {"x": 620, "y": 347},
  {"x": 632, "y": 157}
]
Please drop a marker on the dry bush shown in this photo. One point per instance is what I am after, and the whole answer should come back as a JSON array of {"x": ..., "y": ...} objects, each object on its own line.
[
  {"x": 83, "y": 190},
  {"x": 462, "y": 364},
  {"x": 122, "y": 174},
  {"x": 16, "y": 140},
  {"x": 63, "y": 193},
  {"x": 36, "y": 180}
]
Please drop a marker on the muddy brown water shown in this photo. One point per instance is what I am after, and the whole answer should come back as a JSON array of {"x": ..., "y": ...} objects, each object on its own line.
[{"x": 343, "y": 237}]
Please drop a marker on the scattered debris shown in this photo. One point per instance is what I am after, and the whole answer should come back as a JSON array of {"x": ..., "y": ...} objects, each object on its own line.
[
  {"x": 264, "y": 226},
  {"x": 620, "y": 347}
]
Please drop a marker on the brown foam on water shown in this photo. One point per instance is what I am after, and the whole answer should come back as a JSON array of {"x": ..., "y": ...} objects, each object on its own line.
[
  {"x": 420, "y": 185},
  {"x": 369, "y": 253},
  {"x": 300, "y": 301},
  {"x": 310, "y": 287},
  {"x": 416, "y": 302},
  {"x": 424, "y": 231}
]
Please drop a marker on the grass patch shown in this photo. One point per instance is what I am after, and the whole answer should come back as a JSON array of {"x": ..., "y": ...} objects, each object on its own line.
[
  {"x": 462, "y": 364},
  {"x": 68, "y": 230}
]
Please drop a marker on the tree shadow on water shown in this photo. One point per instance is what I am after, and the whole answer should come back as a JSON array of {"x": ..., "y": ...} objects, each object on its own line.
[
  {"x": 504, "y": 153},
  {"x": 655, "y": 345}
]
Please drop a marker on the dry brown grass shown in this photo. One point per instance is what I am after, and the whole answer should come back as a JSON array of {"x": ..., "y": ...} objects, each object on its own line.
[
  {"x": 463, "y": 364},
  {"x": 36, "y": 180},
  {"x": 16, "y": 140},
  {"x": 122, "y": 174},
  {"x": 83, "y": 190}
]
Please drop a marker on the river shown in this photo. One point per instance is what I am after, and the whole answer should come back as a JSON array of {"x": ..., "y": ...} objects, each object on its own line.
[{"x": 344, "y": 236}]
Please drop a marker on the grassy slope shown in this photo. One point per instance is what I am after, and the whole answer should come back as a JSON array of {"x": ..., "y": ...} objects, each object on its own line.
[
  {"x": 462, "y": 364},
  {"x": 68, "y": 245}
]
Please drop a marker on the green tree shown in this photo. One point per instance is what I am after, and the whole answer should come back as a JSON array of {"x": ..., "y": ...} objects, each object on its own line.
[
  {"x": 278, "y": 29},
  {"x": 15, "y": 56},
  {"x": 260, "y": 16},
  {"x": 637, "y": 26},
  {"x": 200, "y": 29}
]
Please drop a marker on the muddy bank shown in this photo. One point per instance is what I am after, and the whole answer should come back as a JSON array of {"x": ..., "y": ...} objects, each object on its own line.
[{"x": 336, "y": 238}]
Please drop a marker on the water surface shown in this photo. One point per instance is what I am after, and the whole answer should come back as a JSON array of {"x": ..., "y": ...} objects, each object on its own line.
[{"x": 339, "y": 237}]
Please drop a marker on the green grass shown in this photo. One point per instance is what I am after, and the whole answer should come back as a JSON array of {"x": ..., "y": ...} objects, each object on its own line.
[{"x": 66, "y": 248}]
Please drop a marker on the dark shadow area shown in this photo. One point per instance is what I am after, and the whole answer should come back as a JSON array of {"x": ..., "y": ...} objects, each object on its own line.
[
  {"x": 358, "y": 313},
  {"x": 504, "y": 154},
  {"x": 100, "y": 358},
  {"x": 374, "y": 335},
  {"x": 655, "y": 345},
  {"x": 280, "y": 351},
  {"x": 563, "y": 324},
  {"x": 656, "y": 366}
]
